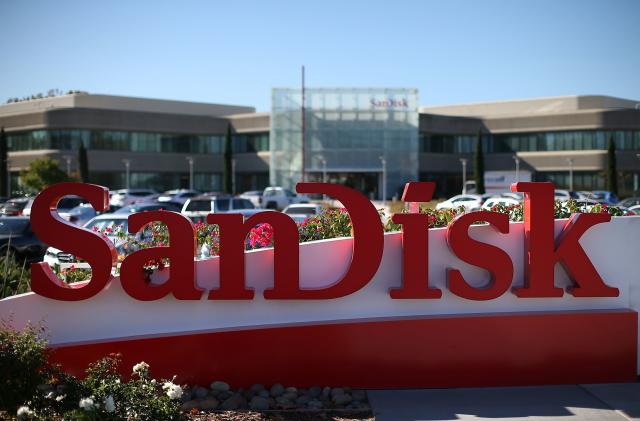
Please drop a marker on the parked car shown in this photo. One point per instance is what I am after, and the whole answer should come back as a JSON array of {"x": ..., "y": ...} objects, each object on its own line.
[
  {"x": 64, "y": 205},
  {"x": 470, "y": 202},
  {"x": 178, "y": 196},
  {"x": 15, "y": 206},
  {"x": 255, "y": 196},
  {"x": 17, "y": 237},
  {"x": 79, "y": 215},
  {"x": 630, "y": 202},
  {"x": 107, "y": 223},
  {"x": 301, "y": 211},
  {"x": 493, "y": 201},
  {"x": 199, "y": 207},
  {"x": 565, "y": 195},
  {"x": 604, "y": 196},
  {"x": 635, "y": 209},
  {"x": 144, "y": 207},
  {"x": 126, "y": 197},
  {"x": 279, "y": 198}
]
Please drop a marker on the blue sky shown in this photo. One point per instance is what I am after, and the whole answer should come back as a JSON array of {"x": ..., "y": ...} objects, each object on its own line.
[{"x": 236, "y": 51}]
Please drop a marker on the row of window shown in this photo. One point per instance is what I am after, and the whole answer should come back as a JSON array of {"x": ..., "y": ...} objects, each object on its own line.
[
  {"x": 524, "y": 142},
  {"x": 450, "y": 184},
  {"x": 134, "y": 141}
]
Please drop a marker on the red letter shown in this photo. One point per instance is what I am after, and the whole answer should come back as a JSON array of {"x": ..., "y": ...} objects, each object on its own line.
[
  {"x": 88, "y": 245},
  {"x": 486, "y": 256},
  {"x": 415, "y": 244},
  {"x": 368, "y": 244},
  {"x": 233, "y": 234},
  {"x": 181, "y": 252},
  {"x": 542, "y": 252}
]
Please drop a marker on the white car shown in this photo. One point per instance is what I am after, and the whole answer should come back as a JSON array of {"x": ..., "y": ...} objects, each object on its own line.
[
  {"x": 564, "y": 195},
  {"x": 493, "y": 201},
  {"x": 199, "y": 207},
  {"x": 301, "y": 211},
  {"x": 635, "y": 209},
  {"x": 178, "y": 196},
  {"x": 126, "y": 197},
  {"x": 279, "y": 198},
  {"x": 255, "y": 196},
  {"x": 470, "y": 202}
]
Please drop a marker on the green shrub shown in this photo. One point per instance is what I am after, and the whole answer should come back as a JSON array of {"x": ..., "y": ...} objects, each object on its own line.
[
  {"x": 14, "y": 275},
  {"x": 23, "y": 360}
]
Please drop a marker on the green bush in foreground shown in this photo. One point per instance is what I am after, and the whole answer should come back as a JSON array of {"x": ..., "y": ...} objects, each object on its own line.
[{"x": 31, "y": 389}]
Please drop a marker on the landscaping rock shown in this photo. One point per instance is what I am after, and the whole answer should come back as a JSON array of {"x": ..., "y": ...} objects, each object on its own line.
[
  {"x": 233, "y": 403},
  {"x": 337, "y": 391},
  {"x": 359, "y": 395},
  {"x": 189, "y": 405},
  {"x": 258, "y": 403},
  {"x": 292, "y": 396},
  {"x": 303, "y": 400},
  {"x": 200, "y": 392},
  {"x": 326, "y": 392},
  {"x": 223, "y": 396},
  {"x": 315, "y": 391},
  {"x": 276, "y": 390},
  {"x": 341, "y": 399},
  {"x": 256, "y": 388},
  {"x": 315, "y": 404},
  {"x": 208, "y": 403},
  {"x": 219, "y": 386}
]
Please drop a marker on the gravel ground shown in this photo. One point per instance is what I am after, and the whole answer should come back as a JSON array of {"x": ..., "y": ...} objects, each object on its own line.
[{"x": 282, "y": 416}]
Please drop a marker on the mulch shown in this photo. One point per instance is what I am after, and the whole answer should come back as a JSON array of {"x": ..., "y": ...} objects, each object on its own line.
[{"x": 335, "y": 415}]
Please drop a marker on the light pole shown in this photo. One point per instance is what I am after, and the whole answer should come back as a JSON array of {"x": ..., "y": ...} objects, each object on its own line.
[
  {"x": 67, "y": 159},
  {"x": 233, "y": 176},
  {"x": 517, "y": 161},
  {"x": 570, "y": 161},
  {"x": 190, "y": 161},
  {"x": 464, "y": 161},
  {"x": 383, "y": 161},
  {"x": 324, "y": 169},
  {"x": 127, "y": 168},
  {"x": 635, "y": 177}
]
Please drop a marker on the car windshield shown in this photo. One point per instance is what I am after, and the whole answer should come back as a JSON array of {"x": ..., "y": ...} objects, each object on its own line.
[
  {"x": 202, "y": 205},
  {"x": 13, "y": 226},
  {"x": 107, "y": 224},
  {"x": 306, "y": 210}
]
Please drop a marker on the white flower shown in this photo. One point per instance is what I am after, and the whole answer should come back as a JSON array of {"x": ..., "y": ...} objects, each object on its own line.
[
  {"x": 24, "y": 412},
  {"x": 109, "y": 405},
  {"x": 86, "y": 403},
  {"x": 141, "y": 367},
  {"x": 51, "y": 395},
  {"x": 173, "y": 390},
  {"x": 153, "y": 381},
  {"x": 60, "y": 397}
]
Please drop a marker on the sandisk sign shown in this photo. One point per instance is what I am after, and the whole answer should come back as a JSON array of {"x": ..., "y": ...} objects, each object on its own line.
[{"x": 542, "y": 250}]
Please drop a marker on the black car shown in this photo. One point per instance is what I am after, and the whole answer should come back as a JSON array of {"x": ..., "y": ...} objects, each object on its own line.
[{"x": 17, "y": 237}]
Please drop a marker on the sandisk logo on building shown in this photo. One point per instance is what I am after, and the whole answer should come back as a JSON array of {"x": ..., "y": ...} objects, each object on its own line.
[
  {"x": 390, "y": 103},
  {"x": 542, "y": 250}
]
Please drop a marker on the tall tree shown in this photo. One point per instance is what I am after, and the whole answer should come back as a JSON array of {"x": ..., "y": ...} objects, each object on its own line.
[
  {"x": 612, "y": 170},
  {"x": 227, "y": 177},
  {"x": 41, "y": 173},
  {"x": 4, "y": 182},
  {"x": 83, "y": 163},
  {"x": 478, "y": 165}
]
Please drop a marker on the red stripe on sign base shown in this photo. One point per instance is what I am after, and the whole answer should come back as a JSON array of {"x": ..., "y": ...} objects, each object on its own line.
[{"x": 460, "y": 351}]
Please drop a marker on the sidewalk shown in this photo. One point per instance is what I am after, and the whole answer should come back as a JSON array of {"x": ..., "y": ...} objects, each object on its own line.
[{"x": 614, "y": 402}]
